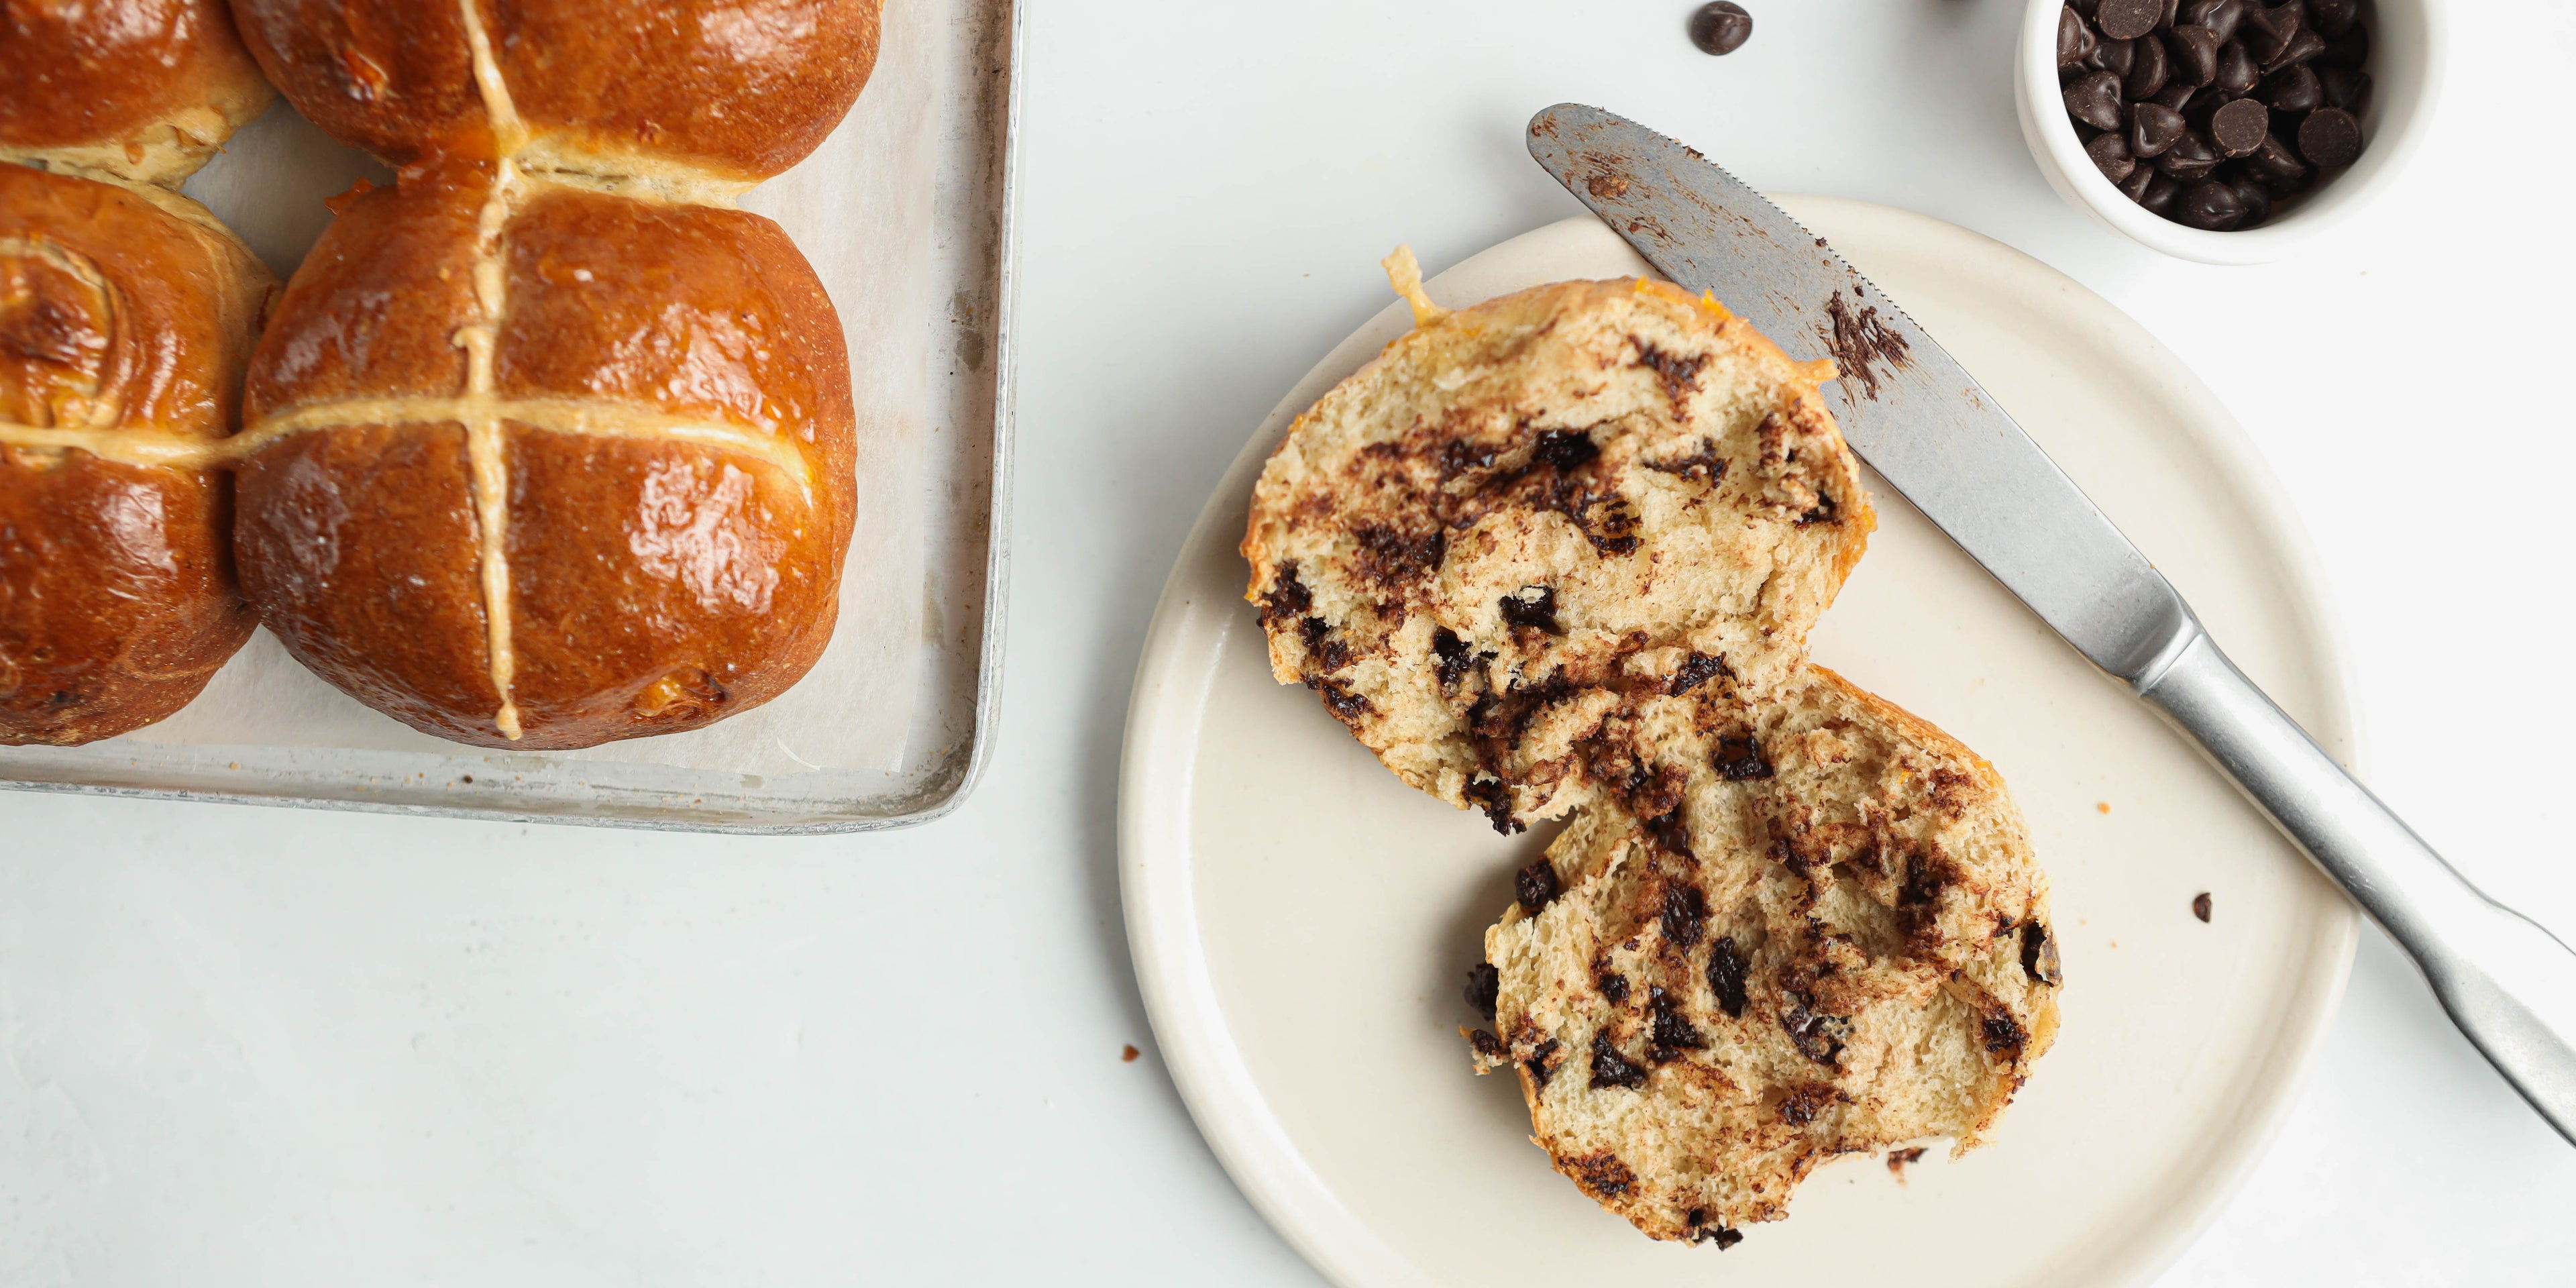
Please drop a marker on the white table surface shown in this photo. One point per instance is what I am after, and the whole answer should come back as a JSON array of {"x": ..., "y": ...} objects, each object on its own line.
[{"x": 264, "y": 1047}]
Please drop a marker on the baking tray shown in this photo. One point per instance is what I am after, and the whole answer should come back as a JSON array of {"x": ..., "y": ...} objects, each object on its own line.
[{"x": 965, "y": 463}]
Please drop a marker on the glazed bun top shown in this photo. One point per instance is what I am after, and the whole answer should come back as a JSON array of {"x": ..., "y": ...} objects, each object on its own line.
[
  {"x": 143, "y": 90},
  {"x": 728, "y": 91}
]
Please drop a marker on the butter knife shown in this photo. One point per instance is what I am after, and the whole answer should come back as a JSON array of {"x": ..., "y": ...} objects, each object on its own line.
[{"x": 1924, "y": 424}]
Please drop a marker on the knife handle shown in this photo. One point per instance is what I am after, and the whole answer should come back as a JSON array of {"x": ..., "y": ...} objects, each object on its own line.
[{"x": 2509, "y": 984}]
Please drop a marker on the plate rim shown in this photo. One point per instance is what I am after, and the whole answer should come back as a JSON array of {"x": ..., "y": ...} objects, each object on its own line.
[{"x": 1190, "y": 1028}]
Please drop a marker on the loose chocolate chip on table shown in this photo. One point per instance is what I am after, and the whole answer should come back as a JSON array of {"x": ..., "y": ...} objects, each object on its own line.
[
  {"x": 2209, "y": 205},
  {"x": 2238, "y": 128},
  {"x": 2258, "y": 203},
  {"x": 2189, "y": 158},
  {"x": 1720, "y": 28},
  {"x": 2195, "y": 54},
  {"x": 2348, "y": 51},
  {"x": 2220, "y": 16},
  {"x": 2236, "y": 71},
  {"x": 2200, "y": 906},
  {"x": 2148, "y": 70},
  {"x": 2161, "y": 194},
  {"x": 1535, "y": 886},
  {"x": 2152, "y": 128},
  {"x": 2110, "y": 155},
  {"x": 2344, "y": 88},
  {"x": 2332, "y": 18},
  {"x": 2302, "y": 45},
  {"x": 2075, "y": 39},
  {"x": 2095, "y": 100},
  {"x": 2294, "y": 90},
  {"x": 1484, "y": 988},
  {"x": 2128, "y": 19},
  {"x": 2329, "y": 137}
]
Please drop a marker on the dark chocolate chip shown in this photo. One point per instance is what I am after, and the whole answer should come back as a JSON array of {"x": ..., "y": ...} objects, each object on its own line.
[
  {"x": 2174, "y": 96},
  {"x": 2219, "y": 16},
  {"x": 2152, "y": 128},
  {"x": 1726, "y": 967},
  {"x": 2189, "y": 158},
  {"x": 2238, "y": 128},
  {"x": 1611, "y": 1069},
  {"x": 2110, "y": 154},
  {"x": 2237, "y": 73},
  {"x": 1721, "y": 27},
  {"x": 1453, "y": 658},
  {"x": 1484, "y": 988},
  {"x": 1532, "y": 606},
  {"x": 2257, "y": 201},
  {"x": 1696, "y": 670},
  {"x": 2267, "y": 26},
  {"x": 2113, "y": 56},
  {"x": 1740, "y": 760},
  {"x": 2275, "y": 163},
  {"x": 1543, "y": 1062},
  {"x": 1613, "y": 986},
  {"x": 2161, "y": 194},
  {"x": 2095, "y": 100},
  {"x": 2039, "y": 954},
  {"x": 1685, "y": 914},
  {"x": 2149, "y": 69},
  {"x": 1486, "y": 1044},
  {"x": 2332, "y": 18},
  {"x": 2135, "y": 186},
  {"x": 1817, "y": 1037},
  {"x": 2209, "y": 205},
  {"x": 2302, "y": 45},
  {"x": 2075, "y": 39},
  {"x": 2195, "y": 54},
  {"x": 2128, "y": 19},
  {"x": 1672, "y": 1034},
  {"x": 2348, "y": 51},
  {"x": 1565, "y": 449},
  {"x": 2329, "y": 137},
  {"x": 2200, "y": 906},
  {"x": 2003, "y": 1033},
  {"x": 1536, "y": 886},
  {"x": 2294, "y": 90},
  {"x": 1494, "y": 796},
  {"x": 2344, "y": 88}
]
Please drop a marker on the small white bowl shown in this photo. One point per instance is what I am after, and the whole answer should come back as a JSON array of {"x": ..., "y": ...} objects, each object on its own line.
[{"x": 2406, "y": 55}]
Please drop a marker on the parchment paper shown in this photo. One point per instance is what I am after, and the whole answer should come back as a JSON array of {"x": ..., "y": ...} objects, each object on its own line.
[{"x": 861, "y": 210}]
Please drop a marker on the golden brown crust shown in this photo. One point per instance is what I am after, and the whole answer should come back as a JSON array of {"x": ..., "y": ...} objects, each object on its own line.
[
  {"x": 653, "y": 584},
  {"x": 117, "y": 319},
  {"x": 741, "y": 89},
  {"x": 143, "y": 90}
]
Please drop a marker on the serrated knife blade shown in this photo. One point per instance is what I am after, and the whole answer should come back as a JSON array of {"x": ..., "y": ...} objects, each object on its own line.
[{"x": 1925, "y": 424}]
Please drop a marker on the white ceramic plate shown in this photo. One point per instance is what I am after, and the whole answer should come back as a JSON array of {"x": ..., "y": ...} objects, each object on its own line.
[{"x": 1302, "y": 921}]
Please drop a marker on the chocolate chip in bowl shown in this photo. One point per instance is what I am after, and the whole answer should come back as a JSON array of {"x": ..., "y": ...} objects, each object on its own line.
[{"x": 2210, "y": 121}]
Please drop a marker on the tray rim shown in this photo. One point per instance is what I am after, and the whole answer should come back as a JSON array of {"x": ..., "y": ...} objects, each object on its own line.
[
  {"x": 997, "y": 559},
  {"x": 1218, "y": 1086}
]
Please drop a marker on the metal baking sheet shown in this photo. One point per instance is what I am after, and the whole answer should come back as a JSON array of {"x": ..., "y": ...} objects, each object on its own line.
[{"x": 964, "y": 471}]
